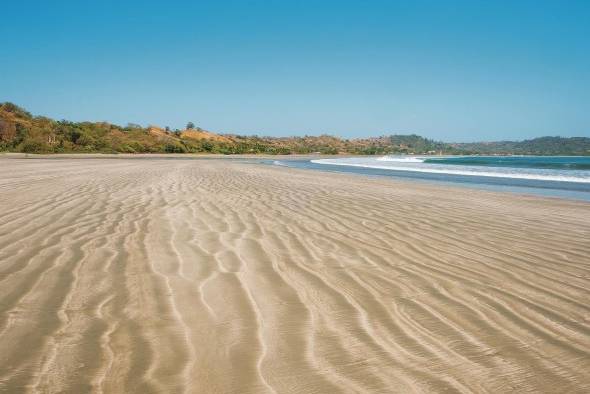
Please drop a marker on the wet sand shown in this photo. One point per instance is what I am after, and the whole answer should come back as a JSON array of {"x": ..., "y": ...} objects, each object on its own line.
[{"x": 213, "y": 276}]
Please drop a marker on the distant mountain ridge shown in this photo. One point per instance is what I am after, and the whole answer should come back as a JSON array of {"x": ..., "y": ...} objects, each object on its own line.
[
  {"x": 22, "y": 132},
  {"x": 576, "y": 146}
]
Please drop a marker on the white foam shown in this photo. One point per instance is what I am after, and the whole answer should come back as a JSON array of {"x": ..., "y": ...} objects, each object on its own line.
[
  {"x": 466, "y": 172},
  {"x": 402, "y": 159}
]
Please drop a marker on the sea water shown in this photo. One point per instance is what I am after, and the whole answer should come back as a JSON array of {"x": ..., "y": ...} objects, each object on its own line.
[{"x": 559, "y": 176}]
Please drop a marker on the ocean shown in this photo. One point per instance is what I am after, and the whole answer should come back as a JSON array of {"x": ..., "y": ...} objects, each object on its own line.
[{"x": 556, "y": 176}]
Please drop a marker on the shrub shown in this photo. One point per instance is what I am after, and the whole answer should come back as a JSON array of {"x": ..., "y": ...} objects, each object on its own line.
[
  {"x": 34, "y": 146},
  {"x": 171, "y": 147},
  {"x": 85, "y": 140},
  {"x": 126, "y": 149},
  {"x": 136, "y": 147}
]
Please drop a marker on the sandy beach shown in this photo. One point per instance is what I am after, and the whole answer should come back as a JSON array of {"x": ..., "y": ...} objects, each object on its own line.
[{"x": 216, "y": 276}]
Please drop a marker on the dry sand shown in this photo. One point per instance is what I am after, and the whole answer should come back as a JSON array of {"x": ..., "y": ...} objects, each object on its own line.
[{"x": 211, "y": 276}]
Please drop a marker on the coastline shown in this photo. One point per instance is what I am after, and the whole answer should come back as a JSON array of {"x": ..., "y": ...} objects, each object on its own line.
[{"x": 514, "y": 186}]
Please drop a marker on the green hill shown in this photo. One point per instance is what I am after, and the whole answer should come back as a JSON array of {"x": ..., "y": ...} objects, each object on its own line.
[
  {"x": 22, "y": 132},
  {"x": 575, "y": 146}
]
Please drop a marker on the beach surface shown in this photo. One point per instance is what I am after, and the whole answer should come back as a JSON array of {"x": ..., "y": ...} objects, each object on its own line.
[{"x": 217, "y": 276}]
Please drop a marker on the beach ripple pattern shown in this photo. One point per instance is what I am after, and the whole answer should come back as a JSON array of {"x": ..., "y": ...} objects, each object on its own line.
[{"x": 214, "y": 276}]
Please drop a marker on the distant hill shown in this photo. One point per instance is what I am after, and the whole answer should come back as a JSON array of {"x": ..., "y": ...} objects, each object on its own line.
[
  {"x": 575, "y": 146},
  {"x": 20, "y": 131}
]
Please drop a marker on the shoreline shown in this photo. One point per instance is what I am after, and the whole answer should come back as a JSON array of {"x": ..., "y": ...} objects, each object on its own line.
[
  {"x": 576, "y": 194},
  {"x": 253, "y": 155}
]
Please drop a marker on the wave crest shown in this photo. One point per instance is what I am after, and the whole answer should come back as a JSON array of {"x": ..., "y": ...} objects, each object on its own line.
[
  {"x": 493, "y": 172},
  {"x": 401, "y": 159}
]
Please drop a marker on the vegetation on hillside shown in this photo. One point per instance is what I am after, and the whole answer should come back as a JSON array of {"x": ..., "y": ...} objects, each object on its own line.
[
  {"x": 22, "y": 132},
  {"x": 549, "y": 146}
]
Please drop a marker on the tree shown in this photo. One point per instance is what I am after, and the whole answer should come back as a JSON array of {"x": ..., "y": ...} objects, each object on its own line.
[
  {"x": 167, "y": 129},
  {"x": 15, "y": 109},
  {"x": 190, "y": 126}
]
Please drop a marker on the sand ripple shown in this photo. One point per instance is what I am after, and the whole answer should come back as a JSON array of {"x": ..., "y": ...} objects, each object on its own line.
[{"x": 202, "y": 276}]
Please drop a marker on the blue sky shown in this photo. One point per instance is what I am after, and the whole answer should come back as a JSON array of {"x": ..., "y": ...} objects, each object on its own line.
[{"x": 449, "y": 70}]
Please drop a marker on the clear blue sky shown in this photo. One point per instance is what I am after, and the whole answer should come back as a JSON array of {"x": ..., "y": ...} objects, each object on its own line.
[{"x": 450, "y": 70}]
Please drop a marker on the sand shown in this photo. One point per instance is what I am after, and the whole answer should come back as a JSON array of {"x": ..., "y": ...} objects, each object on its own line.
[{"x": 215, "y": 276}]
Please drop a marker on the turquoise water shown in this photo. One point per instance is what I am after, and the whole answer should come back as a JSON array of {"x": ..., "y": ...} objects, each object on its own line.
[
  {"x": 561, "y": 176},
  {"x": 541, "y": 162},
  {"x": 550, "y": 169}
]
